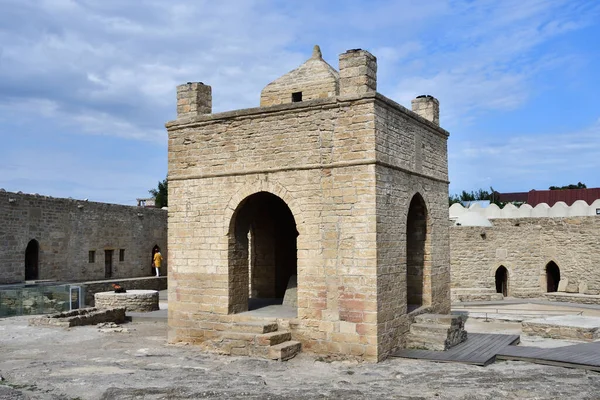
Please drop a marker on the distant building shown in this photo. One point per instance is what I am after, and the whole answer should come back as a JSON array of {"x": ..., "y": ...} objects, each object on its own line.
[{"x": 149, "y": 203}]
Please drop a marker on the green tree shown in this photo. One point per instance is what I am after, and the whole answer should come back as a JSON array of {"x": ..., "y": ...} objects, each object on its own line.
[
  {"x": 480, "y": 194},
  {"x": 571, "y": 186},
  {"x": 161, "y": 194}
]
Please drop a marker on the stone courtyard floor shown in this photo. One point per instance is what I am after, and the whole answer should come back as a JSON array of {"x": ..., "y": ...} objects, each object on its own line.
[{"x": 85, "y": 363}]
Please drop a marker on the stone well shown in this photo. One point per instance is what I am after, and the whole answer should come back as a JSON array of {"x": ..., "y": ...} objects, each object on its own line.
[{"x": 132, "y": 300}]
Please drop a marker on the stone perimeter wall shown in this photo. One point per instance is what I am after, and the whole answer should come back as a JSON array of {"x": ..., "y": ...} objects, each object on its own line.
[
  {"x": 68, "y": 229},
  {"x": 525, "y": 246}
]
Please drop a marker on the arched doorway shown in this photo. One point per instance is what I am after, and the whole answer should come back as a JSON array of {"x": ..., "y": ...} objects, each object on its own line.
[
  {"x": 32, "y": 260},
  {"x": 416, "y": 239},
  {"x": 154, "y": 250},
  {"x": 502, "y": 280},
  {"x": 262, "y": 252},
  {"x": 552, "y": 277}
]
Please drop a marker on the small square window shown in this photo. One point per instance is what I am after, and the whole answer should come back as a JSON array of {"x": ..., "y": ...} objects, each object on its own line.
[
  {"x": 92, "y": 256},
  {"x": 597, "y": 211},
  {"x": 122, "y": 255},
  {"x": 296, "y": 97}
]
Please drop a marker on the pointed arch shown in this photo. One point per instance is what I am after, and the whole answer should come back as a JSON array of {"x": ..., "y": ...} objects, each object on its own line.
[
  {"x": 552, "y": 277},
  {"x": 32, "y": 260},
  {"x": 501, "y": 279}
]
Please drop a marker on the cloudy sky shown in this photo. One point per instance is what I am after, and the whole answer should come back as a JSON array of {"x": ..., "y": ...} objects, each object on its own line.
[{"x": 87, "y": 85}]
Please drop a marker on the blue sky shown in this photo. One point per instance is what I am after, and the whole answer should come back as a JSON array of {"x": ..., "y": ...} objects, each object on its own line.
[{"x": 87, "y": 85}]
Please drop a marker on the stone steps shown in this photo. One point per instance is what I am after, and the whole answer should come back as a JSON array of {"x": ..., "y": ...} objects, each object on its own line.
[
  {"x": 437, "y": 332},
  {"x": 257, "y": 338},
  {"x": 284, "y": 351},
  {"x": 254, "y": 327}
]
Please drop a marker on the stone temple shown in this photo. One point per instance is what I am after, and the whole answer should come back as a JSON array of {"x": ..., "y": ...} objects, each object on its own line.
[{"x": 328, "y": 184}]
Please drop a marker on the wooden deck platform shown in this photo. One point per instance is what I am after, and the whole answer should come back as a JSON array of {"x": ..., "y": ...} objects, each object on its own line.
[
  {"x": 478, "y": 349},
  {"x": 584, "y": 356}
]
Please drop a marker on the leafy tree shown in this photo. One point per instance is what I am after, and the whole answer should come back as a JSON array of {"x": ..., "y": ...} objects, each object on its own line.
[
  {"x": 480, "y": 194},
  {"x": 160, "y": 194},
  {"x": 571, "y": 186}
]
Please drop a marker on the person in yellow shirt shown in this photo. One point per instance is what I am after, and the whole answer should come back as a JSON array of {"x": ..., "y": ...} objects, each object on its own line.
[{"x": 157, "y": 261}]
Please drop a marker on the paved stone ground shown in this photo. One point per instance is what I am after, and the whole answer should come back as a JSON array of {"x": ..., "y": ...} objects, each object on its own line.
[{"x": 83, "y": 363}]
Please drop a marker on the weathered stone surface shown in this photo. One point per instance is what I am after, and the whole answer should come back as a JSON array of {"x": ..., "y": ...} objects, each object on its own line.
[
  {"x": 436, "y": 332},
  {"x": 132, "y": 300},
  {"x": 291, "y": 293},
  {"x": 563, "y": 284},
  {"x": 67, "y": 230},
  {"x": 573, "y": 298},
  {"x": 475, "y": 294},
  {"x": 564, "y": 327},
  {"x": 83, "y": 316}
]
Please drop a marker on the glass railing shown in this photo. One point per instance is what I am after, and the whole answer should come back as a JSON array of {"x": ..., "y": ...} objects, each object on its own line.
[{"x": 39, "y": 299}]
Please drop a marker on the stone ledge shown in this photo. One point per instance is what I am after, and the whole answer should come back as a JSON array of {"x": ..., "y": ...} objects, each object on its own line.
[
  {"x": 83, "y": 316},
  {"x": 564, "y": 327},
  {"x": 573, "y": 298},
  {"x": 132, "y": 300}
]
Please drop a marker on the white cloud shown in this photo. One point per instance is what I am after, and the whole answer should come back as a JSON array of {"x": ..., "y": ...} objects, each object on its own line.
[{"x": 547, "y": 159}]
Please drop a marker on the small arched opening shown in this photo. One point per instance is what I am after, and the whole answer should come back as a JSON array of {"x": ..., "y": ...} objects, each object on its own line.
[
  {"x": 416, "y": 252},
  {"x": 502, "y": 280},
  {"x": 262, "y": 252},
  {"x": 32, "y": 260},
  {"x": 552, "y": 277}
]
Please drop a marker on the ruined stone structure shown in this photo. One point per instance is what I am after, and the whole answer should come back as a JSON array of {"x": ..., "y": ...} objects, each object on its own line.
[
  {"x": 327, "y": 181},
  {"x": 525, "y": 251},
  {"x": 46, "y": 238}
]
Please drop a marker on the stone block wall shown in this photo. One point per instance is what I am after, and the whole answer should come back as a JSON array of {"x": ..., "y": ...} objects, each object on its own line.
[
  {"x": 67, "y": 230},
  {"x": 524, "y": 246},
  {"x": 412, "y": 161},
  {"x": 346, "y": 167},
  {"x": 312, "y": 158}
]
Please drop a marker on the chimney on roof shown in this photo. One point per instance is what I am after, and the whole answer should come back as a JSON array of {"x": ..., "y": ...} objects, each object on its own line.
[
  {"x": 193, "y": 98},
  {"x": 358, "y": 72},
  {"x": 427, "y": 107}
]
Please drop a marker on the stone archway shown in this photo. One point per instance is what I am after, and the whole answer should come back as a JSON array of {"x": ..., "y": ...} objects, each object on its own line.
[
  {"x": 32, "y": 260},
  {"x": 417, "y": 239},
  {"x": 501, "y": 278},
  {"x": 262, "y": 255},
  {"x": 552, "y": 277}
]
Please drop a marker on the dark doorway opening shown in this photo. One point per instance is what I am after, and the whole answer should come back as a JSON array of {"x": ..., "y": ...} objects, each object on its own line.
[
  {"x": 262, "y": 252},
  {"x": 154, "y": 250},
  {"x": 416, "y": 238},
  {"x": 108, "y": 263},
  {"x": 32, "y": 260},
  {"x": 502, "y": 280},
  {"x": 552, "y": 276}
]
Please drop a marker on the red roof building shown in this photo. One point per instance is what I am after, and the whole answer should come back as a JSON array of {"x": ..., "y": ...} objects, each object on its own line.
[{"x": 550, "y": 197}]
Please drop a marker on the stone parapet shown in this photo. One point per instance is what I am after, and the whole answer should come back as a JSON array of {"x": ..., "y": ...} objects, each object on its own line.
[{"x": 132, "y": 300}]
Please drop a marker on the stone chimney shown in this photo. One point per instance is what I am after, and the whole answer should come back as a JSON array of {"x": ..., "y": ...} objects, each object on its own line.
[
  {"x": 193, "y": 98},
  {"x": 427, "y": 107},
  {"x": 358, "y": 72}
]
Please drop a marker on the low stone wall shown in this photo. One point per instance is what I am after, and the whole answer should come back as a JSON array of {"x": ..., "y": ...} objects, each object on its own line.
[
  {"x": 132, "y": 300},
  {"x": 564, "y": 327},
  {"x": 573, "y": 298},
  {"x": 84, "y": 316},
  {"x": 146, "y": 283}
]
